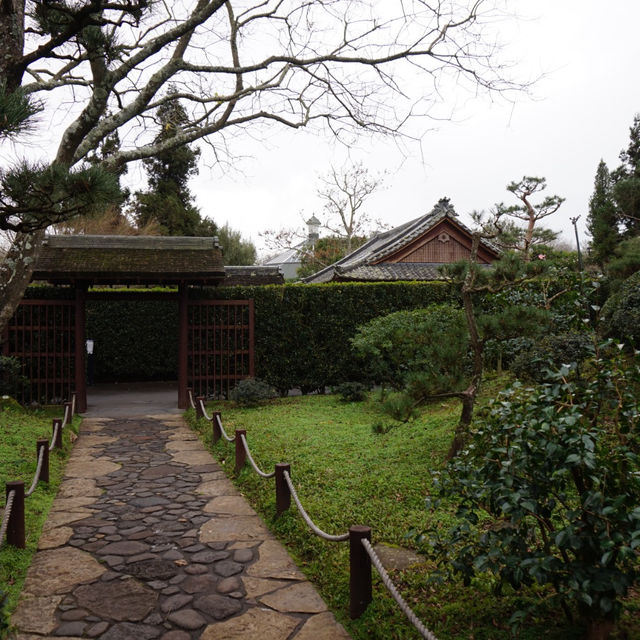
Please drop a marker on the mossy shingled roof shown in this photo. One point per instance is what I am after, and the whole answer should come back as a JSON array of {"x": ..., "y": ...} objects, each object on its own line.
[{"x": 130, "y": 259}]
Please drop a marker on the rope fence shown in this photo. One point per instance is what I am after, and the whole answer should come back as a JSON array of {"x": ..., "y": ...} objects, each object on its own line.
[
  {"x": 362, "y": 555},
  {"x": 13, "y": 517}
]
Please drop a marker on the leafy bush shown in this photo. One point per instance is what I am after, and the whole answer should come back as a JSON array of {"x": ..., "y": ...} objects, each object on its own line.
[
  {"x": 352, "y": 391},
  {"x": 11, "y": 378},
  {"x": 551, "y": 353},
  {"x": 252, "y": 392},
  {"x": 432, "y": 340},
  {"x": 621, "y": 313},
  {"x": 548, "y": 491}
]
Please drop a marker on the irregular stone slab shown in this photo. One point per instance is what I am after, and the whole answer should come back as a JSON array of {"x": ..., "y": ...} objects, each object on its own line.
[
  {"x": 218, "y": 607},
  {"x": 52, "y": 538},
  {"x": 161, "y": 471},
  {"x": 124, "y": 548},
  {"x": 256, "y": 587},
  {"x": 153, "y": 569},
  {"x": 259, "y": 623},
  {"x": 129, "y": 631},
  {"x": 231, "y": 505},
  {"x": 183, "y": 445},
  {"x": 58, "y": 518},
  {"x": 74, "y": 487},
  {"x": 36, "y": 615},
  {"x": 397, "y": 558},
  {"x": 297, "y": 598},
  {"x": 123, "y": 600},
  {"x": 274, "y": 562},
  {"x": 90, "y": 469},
  {"x": 175, "y": 602},
  {"x": 187, "y": 619},
  {"x": 192, "y": 457},
  {"x": 70, "y": 504},
  {"x": 236, "y": 528},
  {"x": 59, "y": 570},
  {"x": 322, "y": 627},
  {"x": 93, "y": 440},
  {"x": 221, "y": 487}
]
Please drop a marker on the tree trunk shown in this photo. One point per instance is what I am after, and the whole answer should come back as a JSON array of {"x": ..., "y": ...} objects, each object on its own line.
[
  {"x": 599, "y": 629},
  {"x": 11, "y": 42},
  {"x": 466, "y": 416},
  {"x": 15, "y": 272}
]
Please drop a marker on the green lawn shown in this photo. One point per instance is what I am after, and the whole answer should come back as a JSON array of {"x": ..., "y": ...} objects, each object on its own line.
[
  {"x": 345, "y": 474},
  {"x": 19, "y": 431}
]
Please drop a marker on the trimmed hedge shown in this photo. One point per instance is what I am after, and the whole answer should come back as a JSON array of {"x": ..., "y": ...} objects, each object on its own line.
[{"x": 302, "y": 332}]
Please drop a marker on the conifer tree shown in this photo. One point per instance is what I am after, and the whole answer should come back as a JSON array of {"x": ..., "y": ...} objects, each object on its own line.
[
  {"x": 626, "y": 187},
  {"x": 602, "y": 220}
]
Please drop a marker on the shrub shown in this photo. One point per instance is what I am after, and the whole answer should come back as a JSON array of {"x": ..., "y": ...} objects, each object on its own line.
[
  {"x": 12, "y": 381},
  {"x": 621, "y": 313},
  {"x": 431, "y": 340},
  {"x": 351, "y": 391},
  {"x": 548, "y": 491},
  {"x": 551, "y": 353},
  {"x": 252, "y": 392}
]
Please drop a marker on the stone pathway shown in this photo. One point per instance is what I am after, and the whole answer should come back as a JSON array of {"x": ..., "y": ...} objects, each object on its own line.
[{"x": 148, "y": 539}]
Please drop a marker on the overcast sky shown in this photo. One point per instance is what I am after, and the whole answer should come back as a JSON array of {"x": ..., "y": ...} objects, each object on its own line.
[{"x": 577, "y": 114}]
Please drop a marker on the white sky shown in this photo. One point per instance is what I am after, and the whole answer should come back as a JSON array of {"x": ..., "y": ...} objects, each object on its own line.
[{"x": 579, "y": 113}]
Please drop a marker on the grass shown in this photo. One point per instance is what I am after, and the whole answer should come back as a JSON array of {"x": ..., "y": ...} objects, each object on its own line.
[
  {"x": 19, "y": 430},
  {"x": 346, "y": 474}
]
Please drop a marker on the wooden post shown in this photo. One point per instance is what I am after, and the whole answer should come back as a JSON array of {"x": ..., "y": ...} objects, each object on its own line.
[
  {"x": 241, "y": 454},
  {"x": 199, "y": 412},
  {"x": 80, "y": 348},
  {"x": 283, "y": 495},
  {"x": 215, "y": 426},
  {"x": 44, "y": 472},
  {"x": 57, "y": 442},
  {"x": 183, "y": 345},
  {"x": 15, "y": 526},
  {"x": 359, "y": 571}
]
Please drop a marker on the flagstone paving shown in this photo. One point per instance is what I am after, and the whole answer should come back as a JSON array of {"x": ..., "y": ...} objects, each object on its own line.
[{"x": 147, "y": 539}]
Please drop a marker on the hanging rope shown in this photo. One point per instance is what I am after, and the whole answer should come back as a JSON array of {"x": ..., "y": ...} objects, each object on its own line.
[
  {"x": 406, "y": 609},
  {"x": 222, "y": 431},
  {"x": 307, "y": 519},
  {"x": 54, "y": 436},
  {"x": 191, "y": 402},
  {"x": 36, "y": 477},
  {"x": 65, "y": 418},
  {"x": 253, "y": 464},
  {"x": 7, "y": 515},
  {"x": 204, "y": 410}
]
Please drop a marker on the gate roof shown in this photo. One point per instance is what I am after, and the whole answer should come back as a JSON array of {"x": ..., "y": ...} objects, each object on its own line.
[{"x": 130, "y": 260}]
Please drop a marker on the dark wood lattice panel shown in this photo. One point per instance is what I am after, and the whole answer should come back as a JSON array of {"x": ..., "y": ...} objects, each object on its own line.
[
  {"x": 220, "y": 349},
  {"x": 41, "y": 335}
]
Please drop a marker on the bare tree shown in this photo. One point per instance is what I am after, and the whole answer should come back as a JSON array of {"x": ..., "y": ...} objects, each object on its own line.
[
  {"x": 235, "y": 65},
  {"x": 344, "y": 193}
]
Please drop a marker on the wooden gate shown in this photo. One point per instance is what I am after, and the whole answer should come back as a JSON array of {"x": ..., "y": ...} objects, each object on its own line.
[
  {"x": 42, "y": 336},
  {"x": 220, "y": 348}
]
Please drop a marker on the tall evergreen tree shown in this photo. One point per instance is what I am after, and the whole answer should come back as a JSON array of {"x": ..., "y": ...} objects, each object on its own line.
[
  {"x": 602, "y": 221},
  {"x": 626, "y": 188},
  {"x": 169, "y": 201}
]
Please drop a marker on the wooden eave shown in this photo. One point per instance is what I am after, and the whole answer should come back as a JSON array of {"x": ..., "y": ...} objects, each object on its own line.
[{"x": 446, "y": 225}]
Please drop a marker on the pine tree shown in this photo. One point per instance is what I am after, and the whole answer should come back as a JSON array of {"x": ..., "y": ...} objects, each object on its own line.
[
  {"x": 603, "y": 220},
  {"x": 169, "y": 202}
]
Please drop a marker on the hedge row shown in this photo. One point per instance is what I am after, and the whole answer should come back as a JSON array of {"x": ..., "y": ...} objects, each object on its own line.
[{"x": 303, "y": 332}]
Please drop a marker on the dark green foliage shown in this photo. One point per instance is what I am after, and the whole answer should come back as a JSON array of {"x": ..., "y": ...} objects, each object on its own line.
[
  {"x": 626, "y": 188},
  {"x": 625, "y": 260},
  {"x": 11, "y": 378},
  {"x": 235, "y": 249},
  {"x": 548, "y": 489},
  {"x": 134, "y": 340},
  {"x": 551, "y": 352},
  {"x": 4, "y": 618},
  {"x": 303, "y": 332},
  {"x": 17, "y": 111},
  {"x": 430, "y": 342},
  {"x": 252, "y": 392},
  {"x": 33, "y": 197},
  {"x": 621, "y": 313},
  {"x": 351, "y": 391},
  {"x": 602, "y": 220}
]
